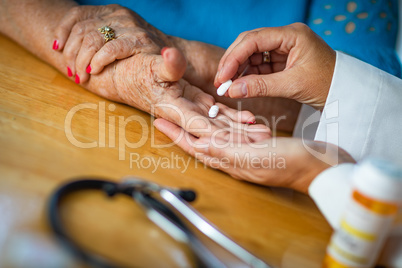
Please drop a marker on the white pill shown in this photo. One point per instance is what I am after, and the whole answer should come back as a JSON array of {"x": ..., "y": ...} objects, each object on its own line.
[
  {"x": 224, "y": 87},
  {"x": 213, "y": 111}
]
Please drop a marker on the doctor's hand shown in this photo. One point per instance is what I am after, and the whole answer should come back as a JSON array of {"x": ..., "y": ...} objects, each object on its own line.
[
  {"x": 300, "y": 65},
  {"x": 281, "y": 162}
]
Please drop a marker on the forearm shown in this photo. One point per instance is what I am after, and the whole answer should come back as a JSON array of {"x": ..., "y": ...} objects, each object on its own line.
[{"x": 31, "y": 23}]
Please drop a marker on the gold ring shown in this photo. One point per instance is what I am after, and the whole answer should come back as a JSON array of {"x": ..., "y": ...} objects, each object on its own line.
[
  {"x": 266, "y": 57},
  {"x": 108, "y": 33}
]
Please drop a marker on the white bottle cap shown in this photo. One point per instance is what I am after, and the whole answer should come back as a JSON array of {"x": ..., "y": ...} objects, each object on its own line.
[
  {"x": 379, "y": 179},
  {"x": 223, "y": 88}
]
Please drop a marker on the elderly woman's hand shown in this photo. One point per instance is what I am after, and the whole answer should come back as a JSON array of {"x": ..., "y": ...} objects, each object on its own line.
[
  {"x": 84, "y": 47},
  {"x": 300, "y": 67},
  {"x": 139, "y": 81},
  {"x": 86, "y": 52},
  {"x": 142, "y": 77},
  {"x": 135, "y": 81}
]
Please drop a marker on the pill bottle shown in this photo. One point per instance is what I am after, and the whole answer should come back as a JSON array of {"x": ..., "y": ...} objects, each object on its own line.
[{"x": 368, "y": 217}]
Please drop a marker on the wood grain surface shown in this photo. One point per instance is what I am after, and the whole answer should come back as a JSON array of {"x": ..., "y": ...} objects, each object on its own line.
[{"x": 38, "y": 153}]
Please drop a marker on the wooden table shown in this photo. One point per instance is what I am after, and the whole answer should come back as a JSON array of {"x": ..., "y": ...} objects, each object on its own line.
[{"x": 282, "y": 227}]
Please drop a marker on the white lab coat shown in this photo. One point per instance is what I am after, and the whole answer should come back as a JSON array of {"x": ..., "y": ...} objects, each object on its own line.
[{"x": 363, "y": 115}]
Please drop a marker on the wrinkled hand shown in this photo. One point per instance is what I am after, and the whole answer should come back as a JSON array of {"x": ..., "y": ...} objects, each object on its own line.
[
  {"x": 86, "y": 52},
  {"x": 136, "y": 81},
  {"x": 142, "y": 78},
  {"x": 301, "y": 65},
  {"x": 84, "y": 48},
  {"x": 281, "y": 162}
]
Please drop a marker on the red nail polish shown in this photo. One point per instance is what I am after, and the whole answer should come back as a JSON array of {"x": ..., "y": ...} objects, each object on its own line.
[
  {"x": 77, "y": 79},
  {"x": 88, "y": 70},
  {"x": 55, "y": 44},
  {"x": 69, "y": 72},
  {"x": 163, "y": 50},
  {"x": 252, "y": 123}
]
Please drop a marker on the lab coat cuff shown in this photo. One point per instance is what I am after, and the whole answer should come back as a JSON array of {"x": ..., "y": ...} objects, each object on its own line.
[{"x": 346, "y": 117}]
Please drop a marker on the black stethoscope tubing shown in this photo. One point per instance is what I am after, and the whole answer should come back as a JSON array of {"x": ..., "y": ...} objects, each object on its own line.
[{"x": 204, "y": 258}]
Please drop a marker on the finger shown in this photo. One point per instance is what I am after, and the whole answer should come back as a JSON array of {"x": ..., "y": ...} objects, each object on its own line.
[
  {"x": 200, "y": 126},
  {"x": 63, "y": 30},
  {"x": 236, "y": 116},
  {"x": 178, "y": 135},
  {"x": 120, "y": 48},
  {"x": 224, "y": 128},
  {"x": 91, "y": 44},
  {"x": 188, "y": 142},
  {"x": 281, "y": 84},
  {"x": 239, "y": 132},
  {"x": 219, "y": 148},
  {"x": 73, "y": 45},
  {"x": 198, "y": 97},
  {"x": 257, "y": 133},
  {"x": 172, "y": 65},
  {"x": 228, "y": 51},
  {"x": 281, "y": 38}
]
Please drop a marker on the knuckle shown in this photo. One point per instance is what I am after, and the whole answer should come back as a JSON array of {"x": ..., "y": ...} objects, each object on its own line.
[
  {"x": 300, "y": 27},
  {"x": 250, "y": 35},
  {"x": 260, "y": 87},
  {"x": 108, "y": 48},
  {"x": 75, "y": 11},
  {"x": 90, "y": 40},
  {"x": 122, "y": 11},
  {"x": 142, "y": 38},
  {"x": 63, "y": 28},
  {"x": 243, "y": 34},
  {"x": 114, "y": 6},
  {"x": 78, "y": 28},
  {"x": 112, "y": 49}
]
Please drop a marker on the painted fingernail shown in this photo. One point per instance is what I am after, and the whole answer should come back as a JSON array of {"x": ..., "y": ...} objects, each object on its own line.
[
  {"x": 69, "y": 72},
  {"x": 77, "y": 79},
  {"x": 55, "y": 44},
  {"x": 239, "y": 90},
  {"x": 88, "y": 70},
  {"x": 163, "y": 50},
  {"x": 252, "y": 122}
]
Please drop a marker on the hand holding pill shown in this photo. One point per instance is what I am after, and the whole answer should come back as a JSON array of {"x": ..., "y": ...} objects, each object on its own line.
[
  {"x": 224, "y": 88},
  {"x": 288, "y": 62}
]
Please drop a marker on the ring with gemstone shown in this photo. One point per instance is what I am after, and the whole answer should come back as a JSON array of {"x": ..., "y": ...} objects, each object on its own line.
[
  {"x": 108, "y": 33},
  {"x": 266, "y": 57}
]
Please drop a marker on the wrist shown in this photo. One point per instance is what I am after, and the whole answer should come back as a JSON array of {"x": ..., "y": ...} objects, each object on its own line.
[
  {"x": 327, "y": 73},
  {"x": 317, "y": 157}
]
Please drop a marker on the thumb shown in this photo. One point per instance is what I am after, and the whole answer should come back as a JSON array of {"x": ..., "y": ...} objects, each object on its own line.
[
  {"x": 172, "y": 66},
  {"x": 280, "y": 84}
]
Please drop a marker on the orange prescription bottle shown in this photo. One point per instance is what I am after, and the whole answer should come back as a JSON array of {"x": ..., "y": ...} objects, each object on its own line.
[{"x": 368, "y": 217}]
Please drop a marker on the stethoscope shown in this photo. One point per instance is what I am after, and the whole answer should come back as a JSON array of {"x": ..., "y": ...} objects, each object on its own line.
[{"x": 161, "y": 205}]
